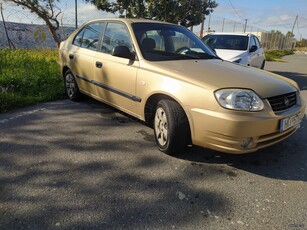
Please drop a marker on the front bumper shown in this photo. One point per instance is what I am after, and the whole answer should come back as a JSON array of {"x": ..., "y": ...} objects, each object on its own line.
[{"x": 241, "y": 132}]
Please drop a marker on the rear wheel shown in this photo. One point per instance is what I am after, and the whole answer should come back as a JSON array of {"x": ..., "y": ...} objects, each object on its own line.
[
  {"x": 71, "y": 86},
  {"x": 171, "y": 127}
]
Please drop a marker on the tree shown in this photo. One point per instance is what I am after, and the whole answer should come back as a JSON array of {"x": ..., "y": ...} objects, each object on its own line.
[
  {"x": 126, "y": 8},
  {"x": 184, "y": 12},
  {"x": 289, "y": 34},
  {"x": 301, "y": 43},
  {"x": 46, "y": 10}
]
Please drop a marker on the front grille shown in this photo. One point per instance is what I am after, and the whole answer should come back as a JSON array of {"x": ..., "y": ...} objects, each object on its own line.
[{"x": 283, "y": 102}]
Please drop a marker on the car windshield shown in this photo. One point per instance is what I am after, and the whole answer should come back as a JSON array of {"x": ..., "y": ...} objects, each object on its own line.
[
  {"x": 228, "y": 42},
  {"x": 163, "y": 42}
]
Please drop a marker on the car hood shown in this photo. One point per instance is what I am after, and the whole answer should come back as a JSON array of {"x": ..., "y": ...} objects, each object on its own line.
[
  {"x": 229, "y": 54},
  {"x": 215, "y": 74}
]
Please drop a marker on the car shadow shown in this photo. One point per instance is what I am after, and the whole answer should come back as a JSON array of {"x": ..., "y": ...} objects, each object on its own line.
[{"x": 286, "y": 160}]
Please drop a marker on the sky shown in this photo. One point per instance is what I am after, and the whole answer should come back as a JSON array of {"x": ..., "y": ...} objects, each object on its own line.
[
  {"x": 229, "y": 16},
  {"x": 261, "y": 15},
  {"x": 267, "y": 14}
]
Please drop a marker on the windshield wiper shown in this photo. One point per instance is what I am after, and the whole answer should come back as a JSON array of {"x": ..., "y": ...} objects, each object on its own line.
[
  {"x": 187, "y": 55},
  {"x": 202, "y": 55},
  {"x": 165, "y": 53},
  {"x": 175, "y": 56}
]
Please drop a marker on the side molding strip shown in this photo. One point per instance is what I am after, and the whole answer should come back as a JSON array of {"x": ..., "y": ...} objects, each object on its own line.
[{"x": 121, "y": 93}]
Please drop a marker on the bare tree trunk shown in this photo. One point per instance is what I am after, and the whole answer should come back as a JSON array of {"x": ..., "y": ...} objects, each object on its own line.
[
  {"x": 53, "y": 33},
  {"x": 201, "y": 33},
  {"x": 9, "y": 42}
]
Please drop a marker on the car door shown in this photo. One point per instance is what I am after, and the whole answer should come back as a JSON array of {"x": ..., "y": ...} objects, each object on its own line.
[
  {"x": 260, "y": 51},
  {"x": 115, "y": 77},
  {"x": 82, "y": 55},
  {"x": 255, "y": 53}
]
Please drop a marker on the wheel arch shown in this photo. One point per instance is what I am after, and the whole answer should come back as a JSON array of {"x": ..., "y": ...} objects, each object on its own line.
[
  {"x": 64, "y": 70},
  {"x": 151, "y": 105}
]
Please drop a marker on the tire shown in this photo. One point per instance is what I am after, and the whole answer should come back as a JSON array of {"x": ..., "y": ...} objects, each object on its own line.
[
  {"x": 171, "y": 127},
  {"x": 71, "y": 86},
  {"x": 262, "y": 66}
]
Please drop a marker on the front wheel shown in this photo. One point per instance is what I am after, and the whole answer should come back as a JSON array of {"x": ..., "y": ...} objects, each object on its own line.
[
  {"x": 71, "y": 86},
  {"x": 171, "y": 127},
  {"x": 262, "y": 65}
]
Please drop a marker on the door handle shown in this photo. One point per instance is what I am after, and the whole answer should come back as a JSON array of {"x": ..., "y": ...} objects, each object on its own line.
[
  {"x": 71, "y": 56},
  {"x": 98, "y": 64}
]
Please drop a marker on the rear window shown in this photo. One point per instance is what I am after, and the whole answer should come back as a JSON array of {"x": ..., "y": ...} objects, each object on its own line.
[{"x": 229, "y": 42}]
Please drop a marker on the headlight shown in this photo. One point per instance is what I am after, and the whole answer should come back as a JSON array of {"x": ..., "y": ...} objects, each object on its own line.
[{"x": 239, "y": 99}]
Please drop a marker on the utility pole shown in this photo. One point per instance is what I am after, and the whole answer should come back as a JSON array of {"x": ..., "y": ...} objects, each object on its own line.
[
  {"x": 76, "y": 14},
  {"x": 244, "y": 30},
  {"x": 292, "y": 31},
  {"x": 294, "y": 24}
]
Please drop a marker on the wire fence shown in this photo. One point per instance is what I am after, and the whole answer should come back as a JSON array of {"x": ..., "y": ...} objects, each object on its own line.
[
  {"x": 19, "y": 28},
  {"x": 270, "y": 40}
]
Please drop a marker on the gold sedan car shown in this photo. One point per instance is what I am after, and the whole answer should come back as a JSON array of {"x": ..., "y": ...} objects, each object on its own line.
[{"x": 164, "y": 75}]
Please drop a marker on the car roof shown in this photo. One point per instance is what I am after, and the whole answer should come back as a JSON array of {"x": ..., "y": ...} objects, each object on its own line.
[
  {"x": 129, "y": 20},
  {"x": 226, "y": 33}
]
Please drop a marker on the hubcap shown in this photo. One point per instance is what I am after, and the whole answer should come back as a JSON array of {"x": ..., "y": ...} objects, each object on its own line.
[
  {"x": 161, "y": 126},
  {"x": 70, "y": 85}
]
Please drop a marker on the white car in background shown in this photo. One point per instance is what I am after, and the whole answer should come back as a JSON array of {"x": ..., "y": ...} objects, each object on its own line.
[{"x": 237, "y": 47}]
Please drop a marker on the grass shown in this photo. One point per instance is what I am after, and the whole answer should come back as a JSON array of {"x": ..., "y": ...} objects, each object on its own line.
[
  {"x": 28, "y": 77},
  {"x": 276, "y": 55}
]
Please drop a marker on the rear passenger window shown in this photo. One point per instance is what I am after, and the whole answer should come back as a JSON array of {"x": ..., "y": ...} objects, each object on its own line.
[
  {"x": 89, "y": 36},
  {"x": 116, "y": 34}
]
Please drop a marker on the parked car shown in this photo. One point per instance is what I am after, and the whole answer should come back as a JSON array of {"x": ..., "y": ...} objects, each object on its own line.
[
  {"x": 237, "y": 47},
  {"x": 164, "y": 75}
]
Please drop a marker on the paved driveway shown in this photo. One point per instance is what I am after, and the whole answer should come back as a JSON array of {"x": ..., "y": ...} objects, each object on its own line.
[{"x": 66, "y": 165}]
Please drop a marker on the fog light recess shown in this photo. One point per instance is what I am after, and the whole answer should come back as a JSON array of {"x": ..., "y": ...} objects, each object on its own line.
[{"x": 246, "y": 142}]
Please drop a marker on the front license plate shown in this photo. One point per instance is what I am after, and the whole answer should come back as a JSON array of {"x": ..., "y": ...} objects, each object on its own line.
[{"x": 289, "y": 122}]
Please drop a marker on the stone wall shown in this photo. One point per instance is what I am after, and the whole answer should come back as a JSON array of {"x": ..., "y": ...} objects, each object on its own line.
[{"x": 30, "y": 36}]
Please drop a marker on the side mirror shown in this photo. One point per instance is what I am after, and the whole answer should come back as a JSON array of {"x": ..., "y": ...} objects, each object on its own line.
[
  {"x": 253, "y": 48},
  {"x": 123, "y": 52}
]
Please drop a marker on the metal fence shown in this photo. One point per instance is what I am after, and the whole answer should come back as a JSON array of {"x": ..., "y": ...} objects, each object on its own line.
[
  {"x": 20, "y": 28},
  {"x": 271, "y": 40}
]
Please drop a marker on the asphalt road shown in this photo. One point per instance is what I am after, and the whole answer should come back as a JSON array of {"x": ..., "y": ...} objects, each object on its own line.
[{"x": 66, "y": 165}]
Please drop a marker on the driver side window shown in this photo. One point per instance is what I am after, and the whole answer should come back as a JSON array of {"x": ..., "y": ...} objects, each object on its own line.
[{"x": 155, "y": 37}]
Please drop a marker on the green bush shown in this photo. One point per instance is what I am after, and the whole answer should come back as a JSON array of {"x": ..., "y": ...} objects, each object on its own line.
[
  {"x": 28, "y": 77},
  {"x": 276, "y": 55}
]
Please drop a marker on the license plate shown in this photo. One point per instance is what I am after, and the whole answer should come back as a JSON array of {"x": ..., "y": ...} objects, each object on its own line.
[{"x": 289, "y": 122}]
